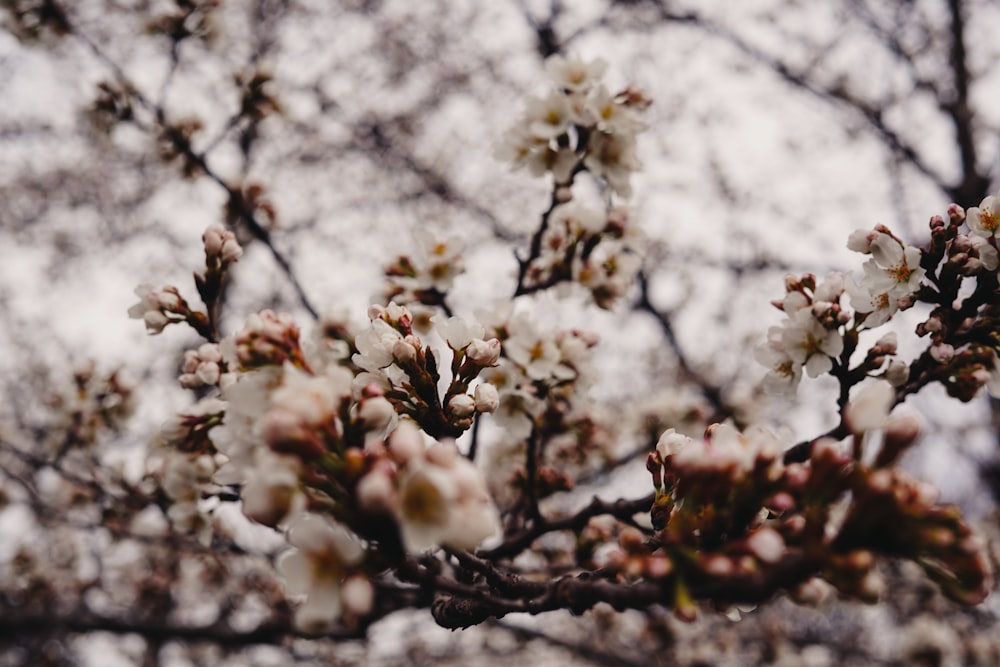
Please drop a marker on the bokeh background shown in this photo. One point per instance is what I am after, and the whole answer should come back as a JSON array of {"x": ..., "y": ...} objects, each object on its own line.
[{"x": 778, "y": 127}]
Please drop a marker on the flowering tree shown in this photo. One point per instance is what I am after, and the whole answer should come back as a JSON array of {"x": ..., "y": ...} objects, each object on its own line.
[{"x": 424, "y": 459}]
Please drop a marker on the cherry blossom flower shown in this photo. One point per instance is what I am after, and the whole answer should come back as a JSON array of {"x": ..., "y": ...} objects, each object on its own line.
[
  {"x": 375, "y": 346},
  {"x": 611, "y": 115},
  {"x": 443, "y": 501},
  {"x": 155, "y": 307},
  {"x": 537, "y": 354},
  {"x": 548, "y": 117},
  {"x": 878, "y": 308},
  {"x": 457, "y": 332},
  {"x": 271, "y": 492},
  {"x": 894, "y": 268},
  {"x": 574, "y": 74},
  {"x": 809, "y": 343},
  {"x": 984, "y": 220},
  {"x": 324, "y": 553},
  {"x": 613, "y": 157},
  {"x": 869, "y": 410}
]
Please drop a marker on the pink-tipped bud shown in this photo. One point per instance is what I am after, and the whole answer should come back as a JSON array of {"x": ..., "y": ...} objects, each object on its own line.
[
  {"x": 461, "y": 405},
  {"x": 766, "y": 544},
  {"x": 487, "y": 397},
  {"x": 405, "y": 442},
  {"x": 484, "y": 353},
  {"x": 358, "y": 595}
]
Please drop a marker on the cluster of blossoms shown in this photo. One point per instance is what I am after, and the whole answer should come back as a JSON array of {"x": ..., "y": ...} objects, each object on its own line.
[
  {"x": 729, "y": 512},
  {"x": 98, "y": 403},
  {"x": 396, "y": 361},
  {"x": 158, "y": 307},
  {"x": 422, "y": 280},
  {"x": 309, "y": 438},
  {"x": 542, "y": 378},
  {"x": 580, "y": 127},
  {"x": 594, "y": 249},
  {"x": 956, "y": 275},
  {"x": 810, "y": 337},
  {"x": 346, "y": 441},
  {"x": 891, "y": 277}
]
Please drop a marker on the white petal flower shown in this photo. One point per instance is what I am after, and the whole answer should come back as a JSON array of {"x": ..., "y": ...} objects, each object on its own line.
[
  {"x": 457, "y": 332},
  {"x": 375, "y": 346},
  {"x": 548, "y": 117},
  {"x": 894, "y": 269},
  {"x": 426, "y": 494},
  {"x": 671, "y": 442},
  {"x": 879, "y": 307},
  {"x": 984, "y": 220},
  {"x": 613, "y": 157},
  {"x": 784, "y": 372},
  {"x": 870, "y": 408},
  {"x": 809, "y": 343},
  {"x": 574, "y": 74},
  {"x": 325, "y": 552}
]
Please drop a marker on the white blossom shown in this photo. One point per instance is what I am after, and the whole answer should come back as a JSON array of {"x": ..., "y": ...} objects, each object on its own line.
[
  {"x": 487, "y": 397},
  {"x": 613, "y": 157},
  {"x": 894, "y": 269},
  {"x": 574, "y": 74},
  {"x": 808, "y": 342},
  {"x": 548, "y": 117},
  {"x": 869, "y": 410},
  {"x": 324, "y": 551},
  {"x": 984, "y": 220}
]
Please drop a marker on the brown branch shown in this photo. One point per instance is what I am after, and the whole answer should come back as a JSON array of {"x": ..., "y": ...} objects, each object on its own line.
[
  {"x": 518, "y": 542},
  {"x": 182, "y": 145},
  {"x": 711, "y": 392}
]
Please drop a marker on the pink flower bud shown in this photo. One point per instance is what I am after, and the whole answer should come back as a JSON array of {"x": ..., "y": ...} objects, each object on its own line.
[
  {"x": 155, "y": 321},
  {"x": 461, "y": 405},
  {"x": 405, "y": 442},
  {"x": 942, "y": 352},
  {"x": 213, "y": 240},
  {"x": 375, "y": 492},
  {"x": 766, "y": 544},
  {"x": 357, "y": 595},
  {"x": 376, "y": 412},
  {"x": 487, "y": 397},
  {"x": 870, "y": 408},
  {"x": 897, "y": 372},
  {"x": 887, "y": 344},
  {"x": 860, "y": 240},
  {"x": 231, "y": 250},
  {"x": 403, "y": 351},
  {"x": 484, "y": 353}
]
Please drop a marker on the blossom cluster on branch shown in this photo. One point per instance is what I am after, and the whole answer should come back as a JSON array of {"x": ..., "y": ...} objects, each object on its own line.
[{"x": 360, "y": 444}]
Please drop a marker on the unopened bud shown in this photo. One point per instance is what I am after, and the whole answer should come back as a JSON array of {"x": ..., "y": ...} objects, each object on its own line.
[
  {"x": 357, "y": 595},
  {"x": 376, "y": 412},
  {"x": 375, "y": 492},
  {"x": 485, "y": 353},
  {"x": 942, "y": 352},
  {"x": 766, "y": 544},
  {"x": 461, "y": 405},
  {"x": 897, "y": 372},
  {"x": 405, "y": 442},
  {"x": 487, "y": 397},
  {"x": 403, "y": 351},
  {"x": 887, "y": 344},
  {"x": 860, "y": 240}
]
